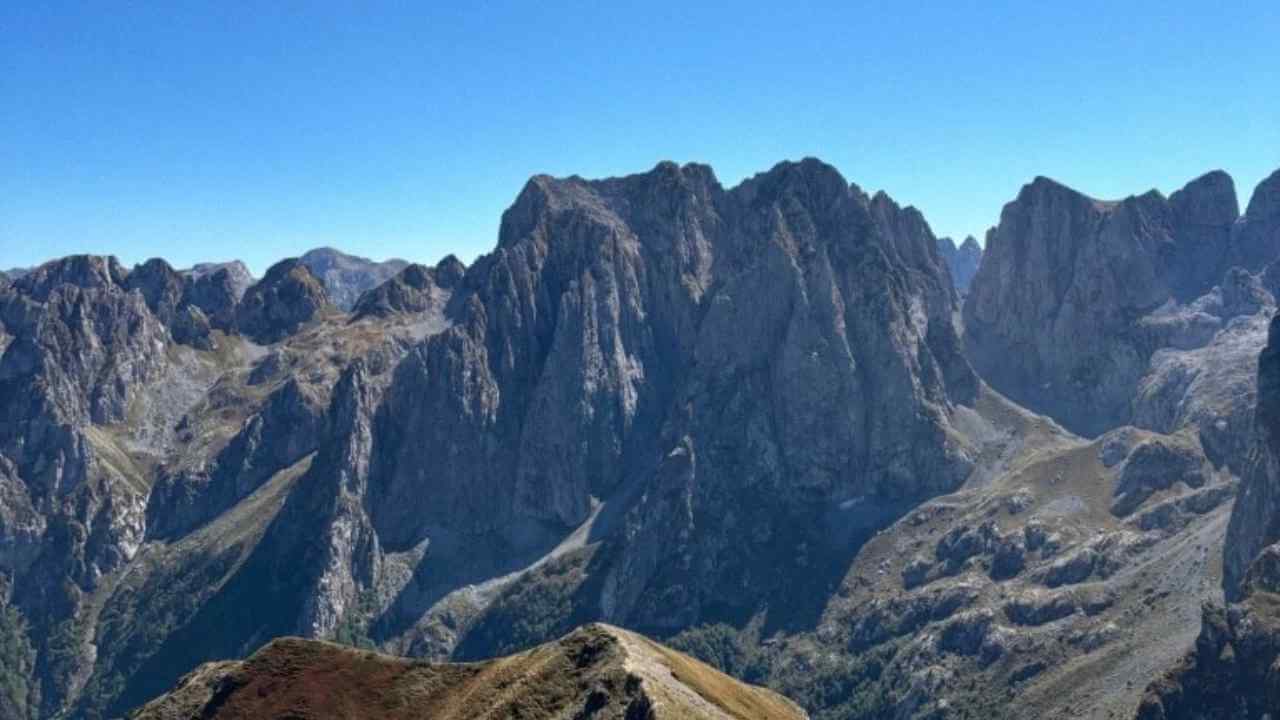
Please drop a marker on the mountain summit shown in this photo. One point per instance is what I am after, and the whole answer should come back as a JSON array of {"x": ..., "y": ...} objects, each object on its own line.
[
  {"x": 597, "y": 671},
  {"x": 743, "y": 420}
]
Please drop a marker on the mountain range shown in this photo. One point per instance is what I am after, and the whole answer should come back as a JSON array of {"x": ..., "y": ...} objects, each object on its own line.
[{"x": 780, "y": 427}]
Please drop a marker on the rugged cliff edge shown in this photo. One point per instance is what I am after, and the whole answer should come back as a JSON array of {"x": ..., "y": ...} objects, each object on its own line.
[
  {"x": 736, "y": 419},
  {"x": 1076, "y": 297},
  {"x": 1234, "y": 670},
  {"x": 597, "y": 671},
  {"x": 659, "y": 358}
]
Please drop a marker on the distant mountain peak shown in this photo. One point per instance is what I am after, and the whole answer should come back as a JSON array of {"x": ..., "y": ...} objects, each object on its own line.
[{"x": 346, "y": 276}]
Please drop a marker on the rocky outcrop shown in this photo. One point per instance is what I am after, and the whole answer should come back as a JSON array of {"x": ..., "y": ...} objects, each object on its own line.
[
  {"x": 738, "y": 418},
  {"x": 1234, "y": 670},
  {"x": 1156, "y": 465},
  {"x": 347, "y": 277},
  {"x": 1255, "y": 524},
  {"x": 170, "y": 298},
  {"x": 238, "y": 278},
  {"x": 597, "y": 671},
  {"x": 216, "y": 294},
  {"x": 962, "y": 260},
  {"x": 1076, "y": 297},
  {"x": 414, "y": 290},
  {"x": 83, "y": 349},
  {"x": 285, "y": 299},
  {"x": 1231, "y": 673},
  {"x": 282, "y": 432},
  {"x": 1255, "y": 240}
]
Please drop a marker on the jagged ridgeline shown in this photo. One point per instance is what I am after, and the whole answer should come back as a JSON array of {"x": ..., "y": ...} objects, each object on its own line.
[{"x": 744, "y": 421}]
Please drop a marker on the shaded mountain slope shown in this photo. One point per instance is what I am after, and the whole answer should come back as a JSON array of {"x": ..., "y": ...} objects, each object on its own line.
[
  {"x": 1233, "y": 672},
  {"x": 737, "y": 419},
  {"x": 1076, "y": 296}
]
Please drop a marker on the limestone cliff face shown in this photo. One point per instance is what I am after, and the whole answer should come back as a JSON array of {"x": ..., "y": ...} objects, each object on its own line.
[
  {"x": 1255, "y": 240},
  {"x": 216, "y": 290},
  {"x": 1255, "y": 524},
  {"x": 1075, "y": 296},
  {"x": 1234, "y": 670},
  {"x": 658, "y": 402},
  {"x": 791, "y": 334},
  {"x": 83, "y": 346}
]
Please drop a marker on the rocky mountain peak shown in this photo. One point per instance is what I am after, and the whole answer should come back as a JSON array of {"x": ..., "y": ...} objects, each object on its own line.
[
  {"x": 545, "y": 199},
  {"x": 741, "y": 418},
  {"x": 236, "y": 276},
  {"x": 1053, "y": 316},
  {"x": 1264, "y": 205},
  {"x": 345, "y": 276},
  {"x": 161, "y": 286},
  {"x": 449, "y": 272},
  {"x": 1255, "y": 239},
  {"x": 82, "y": 271},
  {"x": 414, "y": 289},
  {"x": 1208, "y": 200},
  {"x": 962, "y": 261},
  {"x": 286, "y": 297}
]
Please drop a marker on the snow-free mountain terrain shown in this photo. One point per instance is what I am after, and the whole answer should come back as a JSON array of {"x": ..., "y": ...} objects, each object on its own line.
[
  {"x": 347, "y": 277},
  {"x": 755, "y": 423},
  {"x": 597, "y": 671},
  {"x": 962, "y": 260}
]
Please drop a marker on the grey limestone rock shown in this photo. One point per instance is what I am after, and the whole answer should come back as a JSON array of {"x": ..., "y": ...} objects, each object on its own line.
[
  {"x": 962, "y": 260},
  {"x": 347, "y": 277},
  {"x": 285, "y": 299}
]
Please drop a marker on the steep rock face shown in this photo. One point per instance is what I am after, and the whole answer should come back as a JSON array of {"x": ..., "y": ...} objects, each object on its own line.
[
  {"x": 1204, "y": 214},
  {"x": 962, "y": 260},
  {"x": 1255, "y": 241},
  {"x": 275, "y": 307},
  {"x": 168, "y": 295},
  {"x": 161, "y": 286},
  {"x": 597, "y": 671},
  {"x": 88, "y": 272},
  {"x": 347, "y": 277},
  {"x": 713, "y": 414},
  {"x": 82, "y": 348},
  {"x": 281, "y": 433},
  {"x": 1075, "y": 296},
  {"x": 792, "y": 335},
  {"x": 1234, "y": 670},
  {"x": 1256, "y": 521},
  {"x": 216, "y": 294},
  {"x": 6, "y": 286}
]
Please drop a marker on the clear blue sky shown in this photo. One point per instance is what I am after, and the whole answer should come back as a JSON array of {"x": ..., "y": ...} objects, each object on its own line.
[{"x": 258, "y": 130}]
